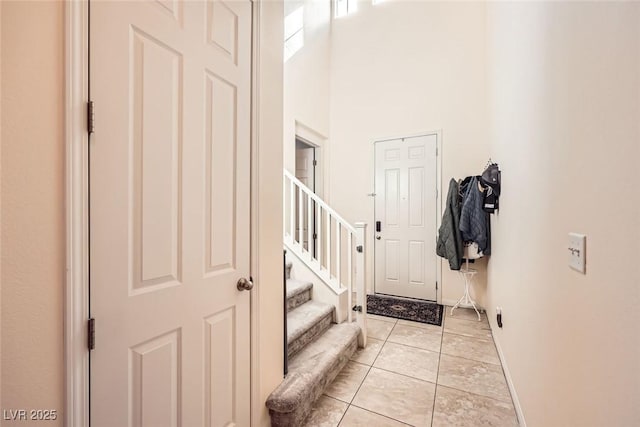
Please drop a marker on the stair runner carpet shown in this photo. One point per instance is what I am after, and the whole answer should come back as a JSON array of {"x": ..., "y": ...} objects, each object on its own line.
[
  {"x": 317, "y": 350},
  {"x": 405, "y": 308}
]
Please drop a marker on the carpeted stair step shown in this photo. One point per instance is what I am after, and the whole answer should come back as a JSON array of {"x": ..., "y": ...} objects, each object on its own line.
[
  {"x": 305, "y": 323},
  {"x": 310, "y": 372},
  {"x": 298, "y": 292}
]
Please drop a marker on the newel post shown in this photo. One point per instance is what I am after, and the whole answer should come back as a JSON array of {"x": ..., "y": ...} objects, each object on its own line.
[{"x": 360, "y": 281}]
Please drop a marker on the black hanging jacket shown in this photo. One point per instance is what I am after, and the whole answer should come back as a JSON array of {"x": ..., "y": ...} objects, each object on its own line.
[{"x": 449, "y": 243}]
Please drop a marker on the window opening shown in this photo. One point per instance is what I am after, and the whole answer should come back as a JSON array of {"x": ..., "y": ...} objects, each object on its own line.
[{"x": 344, "y": 7}]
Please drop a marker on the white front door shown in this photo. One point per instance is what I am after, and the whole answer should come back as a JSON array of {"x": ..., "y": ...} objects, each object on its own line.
[
  {"x": 406, "y": 217},
  {"x": 169, "y": 213}
]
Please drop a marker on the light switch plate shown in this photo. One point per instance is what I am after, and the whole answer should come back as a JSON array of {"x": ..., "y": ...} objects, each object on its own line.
[{"x": 577, "y": 252}]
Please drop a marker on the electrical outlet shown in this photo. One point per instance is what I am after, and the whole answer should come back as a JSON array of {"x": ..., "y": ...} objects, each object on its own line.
[{"x": 577, "y": 252}]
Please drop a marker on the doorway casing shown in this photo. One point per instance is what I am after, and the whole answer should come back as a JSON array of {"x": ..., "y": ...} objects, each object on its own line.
[
  {"x": 320, "y": 142},
  {"x": 76, "y": 308},
  {"x": 438, "y": 135}
]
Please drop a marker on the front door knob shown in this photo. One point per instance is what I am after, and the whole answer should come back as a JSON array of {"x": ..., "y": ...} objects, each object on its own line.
[{"x": 244, "y": 284}]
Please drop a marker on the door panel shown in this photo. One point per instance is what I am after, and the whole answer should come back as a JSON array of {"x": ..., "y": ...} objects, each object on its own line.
[
  {"x": 392, "y": 198},
  {"x": 416, "y": 262},
  {"x": 416, "y": 197},
  {"x": 157, "y": 144},
  {"x": 155, "y": 384},
  {"x": 221, "y": 186},
  {"x": 392, "y": 261},
  {"x": 405, "y": 258},
  {"x": 170, "y": 212}
]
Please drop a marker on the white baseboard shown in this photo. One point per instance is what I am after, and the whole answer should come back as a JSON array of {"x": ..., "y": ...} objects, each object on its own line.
[
  {"x": 452, "y": 302},
  {"x": 507, "y": 375},
  {"x": 505, "y": 367},
  {"x": 449, "y": 302}
]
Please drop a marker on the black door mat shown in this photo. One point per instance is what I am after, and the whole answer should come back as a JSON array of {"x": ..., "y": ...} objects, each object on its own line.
[{"x": 406, "y": 309}]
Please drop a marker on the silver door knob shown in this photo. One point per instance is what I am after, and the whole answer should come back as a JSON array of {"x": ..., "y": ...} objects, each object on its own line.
[
  {"x": 378, "y": 237},
  {"x": 244, "y": 284}
]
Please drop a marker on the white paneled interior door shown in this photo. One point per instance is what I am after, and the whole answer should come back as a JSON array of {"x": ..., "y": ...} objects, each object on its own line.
[
  {"x": 406, "y": 209},
  {"x": 169, "y": 209},
  {"x": 305, "y": 172}
]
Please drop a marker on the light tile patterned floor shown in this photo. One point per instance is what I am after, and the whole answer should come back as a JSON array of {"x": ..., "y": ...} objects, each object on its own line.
[{"x": 421, "y": 375}]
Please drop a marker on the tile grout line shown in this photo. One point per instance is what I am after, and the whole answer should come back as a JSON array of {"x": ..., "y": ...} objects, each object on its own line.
[
  {"x": 403, "y": 375},
  {"x": 350, "y": 403},
  {"x": 435, "y": 390},
  {"x": 413, "y": 346},
  {"x": 382, "y": 415},
  {"x": 386, "y": 340},
  {"x": 482, "y": 326},
  {"x": 395, "y": 323},
  {"x": 367, "y": 374},
  {"x": 473, "y": 393},
  {"x": 470, "y": 320},
  {"x": 462, "y": 334},
  {"x": 354, "y": 395},
  {"x": 371, "y": 367},
  {"x": 473, "y": 360}
]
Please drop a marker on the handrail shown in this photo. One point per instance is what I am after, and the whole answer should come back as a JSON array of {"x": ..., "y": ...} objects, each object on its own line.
[
  {"x": 318, "y": 200},
  {"x": 323, "y": 253}
]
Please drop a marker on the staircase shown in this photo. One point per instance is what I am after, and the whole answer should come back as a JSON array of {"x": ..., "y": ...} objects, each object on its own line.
[
  {"x": 317, "y": 350},
  {"x": 324, "y": 326}
]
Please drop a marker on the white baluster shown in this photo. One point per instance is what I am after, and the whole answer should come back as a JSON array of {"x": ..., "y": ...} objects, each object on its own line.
[
  {"x": 319, "y": 235},
  {"x": 338, "y": 251},
  {"x": 349, "y": 275},
  {"x": 328, "y": 234},
  {"x": 309, "y": 227},
  {"x": 300, "y": 219},
  {"x": 284, "y": 206},
  {"x": 292, "y": 211}
]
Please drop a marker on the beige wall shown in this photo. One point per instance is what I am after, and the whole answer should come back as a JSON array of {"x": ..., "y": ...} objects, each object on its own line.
[
  {"x": 1, "y": 50},
  {"x": 402, "y": 68},
  {"x": 564, "y": 81},
  {"x": 32, "y": 200}
]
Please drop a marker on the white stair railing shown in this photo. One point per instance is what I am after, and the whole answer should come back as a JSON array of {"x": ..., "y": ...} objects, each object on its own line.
[{"x": 331, "y": 247}]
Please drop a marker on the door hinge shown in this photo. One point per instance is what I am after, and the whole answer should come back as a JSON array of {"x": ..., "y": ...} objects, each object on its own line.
[
  {"x": 436, "y": 150},
  {"x": 315, "y": 163},
  {"x": 357, "y": 308},
  {"x": 91, "y": 333},
  {"x": 436, "y": 285},
  {"x": 315, "y": 236},
  {"x": 90, "y": 117}
]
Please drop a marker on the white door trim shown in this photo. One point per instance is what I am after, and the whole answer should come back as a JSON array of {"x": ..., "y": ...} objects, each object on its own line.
[
  {"x": 255, "y": 406},
  {"x": 76, "y": 309},
  {"x": 438, "y": 134}
]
